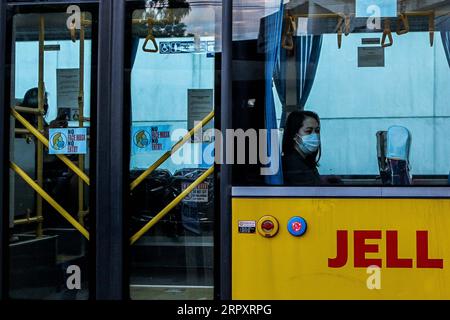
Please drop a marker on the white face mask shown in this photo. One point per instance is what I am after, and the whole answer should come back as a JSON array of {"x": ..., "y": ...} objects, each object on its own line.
[{"x": 309, "y": 144}]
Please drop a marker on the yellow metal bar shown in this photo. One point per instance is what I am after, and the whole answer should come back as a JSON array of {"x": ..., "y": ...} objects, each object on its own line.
[
  {"x": 171, "y": 205},
  {"x": 81, "y": 125},
  {"x": 27, "y": 110},
  {"x": 44, "y": 140},
  {"x": 174, "y": 149},
  {"x": 86, "y": 23},
  {"x": 21, "y": 131},
  {"x": 28, "y": 221},
  {"x": 40, "y": 118},
  {"x": 49, "y": 199}
]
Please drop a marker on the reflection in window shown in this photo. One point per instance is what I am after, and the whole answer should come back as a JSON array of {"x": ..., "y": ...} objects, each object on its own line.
[
  {"x": 378, "y": 90},
  {"x": 172, "y": 88}
]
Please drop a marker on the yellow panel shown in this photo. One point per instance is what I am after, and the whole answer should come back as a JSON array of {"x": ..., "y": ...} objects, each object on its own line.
[{"x": 286, "y": 267}]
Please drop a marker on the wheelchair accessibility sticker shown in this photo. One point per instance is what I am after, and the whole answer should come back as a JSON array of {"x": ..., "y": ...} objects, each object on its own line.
[
  {"x": 177, "y": 47},
  {"x": 68, "y": 141}
]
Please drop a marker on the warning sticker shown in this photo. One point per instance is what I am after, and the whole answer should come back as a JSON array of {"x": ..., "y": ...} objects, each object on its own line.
[
  {"x": 371, "y": 57},
  {"x": 199, "y": 194},
  {"x": 247, "y": 226},
  {"x": 68, "y": 141}
]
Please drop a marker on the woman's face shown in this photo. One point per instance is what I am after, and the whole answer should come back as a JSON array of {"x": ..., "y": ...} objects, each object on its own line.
[{"x": 310, "y": 126}]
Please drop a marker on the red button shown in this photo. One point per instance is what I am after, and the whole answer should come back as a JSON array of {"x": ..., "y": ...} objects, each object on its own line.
[
  {"x": 267, "y": 225},
  {"x": 296, "y": 226}
]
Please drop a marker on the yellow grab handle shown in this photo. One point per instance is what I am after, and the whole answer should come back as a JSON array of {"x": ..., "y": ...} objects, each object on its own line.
[
  {"x": 149, "y": 38},
  {"x": 288, "y": 41},
  {"x": 387, "y": 33},
  {"x": 347, "y": 25},
  {"x": 153, "y": 40},
  {"x": 402, "y": 20}
]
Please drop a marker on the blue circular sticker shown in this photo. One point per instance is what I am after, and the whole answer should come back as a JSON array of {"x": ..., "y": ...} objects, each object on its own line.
[{"x": 297, "y": 226}]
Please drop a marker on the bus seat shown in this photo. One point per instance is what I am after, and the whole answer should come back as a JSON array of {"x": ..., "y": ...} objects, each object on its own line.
[
  {"x": 383, "y": 166},
  {"x": 398, "y": 148},
  {"x": 398, "y": 143},
  {"x": 393, "y": 149}
]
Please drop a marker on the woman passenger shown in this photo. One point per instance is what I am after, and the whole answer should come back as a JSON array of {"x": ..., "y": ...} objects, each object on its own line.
[{"x": 302, "y": 149}]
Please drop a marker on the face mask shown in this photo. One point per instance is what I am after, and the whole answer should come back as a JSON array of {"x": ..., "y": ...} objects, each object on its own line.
[{"x": 309, "y": 144}]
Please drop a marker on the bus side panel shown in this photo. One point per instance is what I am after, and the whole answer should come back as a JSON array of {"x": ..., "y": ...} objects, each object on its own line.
[{"x": 407, "y": 238}]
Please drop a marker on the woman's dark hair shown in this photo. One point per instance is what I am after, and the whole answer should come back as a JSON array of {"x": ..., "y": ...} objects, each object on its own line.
[
  {"x": 31, "y": 99},
  {"x": 294, "y": 123}
]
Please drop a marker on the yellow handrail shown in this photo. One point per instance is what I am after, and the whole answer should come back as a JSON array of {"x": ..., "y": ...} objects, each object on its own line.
[
  {"x": 44, "y": 140},
  {"x": 28, "y": 221},
  {"x": 49, "y": 199},
  {"x": 40, "y": 122},
  {"x": 28, "y": 110},
  {"x": 171, "y": 205},
  {"x": 174, "y": 149},
  {"x": 81, "y": 158}
]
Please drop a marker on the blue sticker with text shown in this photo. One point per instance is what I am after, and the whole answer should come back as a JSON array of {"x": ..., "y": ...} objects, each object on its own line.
[
  {"x": 68, "y": 141},
  {"x": 150, "y": 139}
]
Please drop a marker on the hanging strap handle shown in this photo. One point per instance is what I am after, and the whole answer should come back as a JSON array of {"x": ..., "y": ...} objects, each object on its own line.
[
  {"x": 402, "y": 22},
  {"x": 288, "y": 42},
  {"x": 387, "y": 33},
  {"x": 150, "y": 38}
]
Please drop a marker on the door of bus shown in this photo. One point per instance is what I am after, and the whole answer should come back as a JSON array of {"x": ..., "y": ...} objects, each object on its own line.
[
  {"x": 51, "y": 49},
  {"x": 352, "y": 233},
  {"x": 171, "y": 213}
]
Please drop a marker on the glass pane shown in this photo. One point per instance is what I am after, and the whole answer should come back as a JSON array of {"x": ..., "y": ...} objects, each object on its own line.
[
  {"x": 50, "y": 138},
  {"x": 172, "y": 88},
  {"x": 356, "y": 93}
]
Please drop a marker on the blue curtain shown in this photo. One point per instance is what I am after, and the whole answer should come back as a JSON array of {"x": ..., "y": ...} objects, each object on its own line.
[
  {"x": 272, "y": 43},
  {"x": 307, "y": 56},
  {"x": 308, "y": 49},
  {"x": 134, "y": 50},
  {"x": 445, "y": 34},
  {"x": 280, "y": 76}
]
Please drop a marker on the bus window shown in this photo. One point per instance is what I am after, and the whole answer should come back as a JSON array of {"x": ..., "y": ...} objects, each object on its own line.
[
  {"x": 173, "y": 61},
  {"x": 51, "y": 56},
  {"x": 356, "y": 99}
]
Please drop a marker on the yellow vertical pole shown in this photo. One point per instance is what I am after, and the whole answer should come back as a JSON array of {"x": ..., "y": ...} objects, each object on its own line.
[
  {"x": 40, "y": 116},
  {"x": 81, "y": 124}
]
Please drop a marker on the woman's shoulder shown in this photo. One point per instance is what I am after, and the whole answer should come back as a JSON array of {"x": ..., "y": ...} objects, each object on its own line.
[
  {"x": 298, "y": 173},
  {"x": 293, "y": 159}
]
